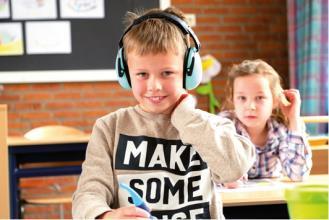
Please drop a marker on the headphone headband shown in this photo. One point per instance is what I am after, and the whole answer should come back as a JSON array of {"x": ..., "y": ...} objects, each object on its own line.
[
  {"x": 182, "y": 25},
  {"x": 192, "y": 61}
]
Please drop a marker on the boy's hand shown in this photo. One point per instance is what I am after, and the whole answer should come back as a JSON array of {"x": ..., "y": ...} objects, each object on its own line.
[
  {"x": 181, "y": 98},
  {"x": 129, "y": 212},
  {"x": 292, "y": 110},
  {"x": 236, "y": 184}
]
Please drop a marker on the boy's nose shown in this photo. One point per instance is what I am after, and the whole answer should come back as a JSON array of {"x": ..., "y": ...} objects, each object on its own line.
[{"x": 154, "y": 84}]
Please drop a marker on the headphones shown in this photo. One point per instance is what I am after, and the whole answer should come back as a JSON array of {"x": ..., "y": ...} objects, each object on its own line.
[{"x": 192, "y": 61}]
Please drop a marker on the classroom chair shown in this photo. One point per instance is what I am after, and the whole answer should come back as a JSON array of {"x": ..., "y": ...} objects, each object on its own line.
[
  {"x": 319, "y": 146},
  {"x": 51, "y": 133}
]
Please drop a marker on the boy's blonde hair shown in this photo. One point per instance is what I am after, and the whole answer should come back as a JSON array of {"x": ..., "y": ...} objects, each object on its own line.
[
  {"x": 256, "y": 67},
  {"x": 155, "y": 35}
]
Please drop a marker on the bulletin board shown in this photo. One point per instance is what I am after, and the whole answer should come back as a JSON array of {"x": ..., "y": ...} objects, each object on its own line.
[{"x": 94, "y": 44}]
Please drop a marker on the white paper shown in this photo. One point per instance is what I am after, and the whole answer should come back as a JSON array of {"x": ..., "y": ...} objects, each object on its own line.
[
  {"x": 11, "y": 40},
  {"x": 48, "y": 37},
  {"x": 256, "y": 185},
  {"x": 4, "y": 9},
  {"x": 34, "y": 9},
  {"x": 82, "y": 8}
]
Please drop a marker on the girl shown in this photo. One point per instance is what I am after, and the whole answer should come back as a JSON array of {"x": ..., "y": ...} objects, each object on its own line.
[{"x": 258, "y": 106}]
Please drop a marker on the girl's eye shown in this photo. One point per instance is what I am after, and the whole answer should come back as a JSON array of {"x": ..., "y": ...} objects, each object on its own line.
[
  {"x": 260, "y": 98},
  {"x": 241, "y": 98}
]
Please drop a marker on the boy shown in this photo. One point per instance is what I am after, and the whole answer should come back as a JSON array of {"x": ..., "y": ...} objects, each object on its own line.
[{"x": 170, "y": 153}]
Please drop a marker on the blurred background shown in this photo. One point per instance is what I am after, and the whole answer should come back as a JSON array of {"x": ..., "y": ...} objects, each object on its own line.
[{"x": 292, "y": 36}]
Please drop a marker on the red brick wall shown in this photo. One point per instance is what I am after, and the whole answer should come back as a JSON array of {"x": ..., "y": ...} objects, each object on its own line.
[{"x": 231, "y": 30}]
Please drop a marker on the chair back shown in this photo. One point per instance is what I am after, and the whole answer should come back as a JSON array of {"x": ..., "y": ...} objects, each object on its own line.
[
  {"x": 317, "y": 140},
  {"x": 319, "y": 145},
  {"x": 53, "y": 132},
  {"x": 316, "y": 119}
]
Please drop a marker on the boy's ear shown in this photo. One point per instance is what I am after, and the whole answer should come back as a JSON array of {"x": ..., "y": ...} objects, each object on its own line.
[
  {"x": 192, "y": 69},
  {"x": 122, "y": 70}
]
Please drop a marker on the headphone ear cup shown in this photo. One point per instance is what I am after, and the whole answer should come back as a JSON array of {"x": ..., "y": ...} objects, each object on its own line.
[
  {"x": 122, "y": 70},
  {"x": 193, "y": 69}
]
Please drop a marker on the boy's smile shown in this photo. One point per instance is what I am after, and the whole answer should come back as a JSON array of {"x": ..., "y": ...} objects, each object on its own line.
[
  {"x": 156, "y": 99},
  {"x": 157, "y": 80}
]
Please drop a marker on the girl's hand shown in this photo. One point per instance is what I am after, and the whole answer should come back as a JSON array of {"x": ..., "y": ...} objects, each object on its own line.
[
  {"x": 129, "y": 212},
  {"x": 292, "y": 109}
]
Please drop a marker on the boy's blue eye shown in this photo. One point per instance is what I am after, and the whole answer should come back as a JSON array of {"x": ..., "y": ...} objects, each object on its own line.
[
  {"x": 167, "y": 73},
  {"x": 141, "y": 74}
]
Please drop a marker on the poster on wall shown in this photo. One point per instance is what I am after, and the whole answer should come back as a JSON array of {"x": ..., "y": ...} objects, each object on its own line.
[
  {"x": 48, "y": 37},
  {"x": 4, "y": 9},
  {"x": 34, "y": 9},
  {"x": 11, "y": 40},
  {"x": 87, "y": 46},
  {"x": 82, "y": 9}
]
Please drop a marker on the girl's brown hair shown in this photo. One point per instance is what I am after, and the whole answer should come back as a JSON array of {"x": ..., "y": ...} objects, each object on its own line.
[
  {"x": 155, "y": 35},
  {"x": 255, "y": 67}
]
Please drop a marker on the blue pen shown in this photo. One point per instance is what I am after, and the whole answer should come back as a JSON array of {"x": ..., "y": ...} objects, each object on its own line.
[{"x": 137, "y": 200}]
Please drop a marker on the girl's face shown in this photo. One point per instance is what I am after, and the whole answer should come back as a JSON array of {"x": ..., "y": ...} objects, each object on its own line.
[
  {"x": 253, "y": 100},
  {"x": 157, "y": 80}
]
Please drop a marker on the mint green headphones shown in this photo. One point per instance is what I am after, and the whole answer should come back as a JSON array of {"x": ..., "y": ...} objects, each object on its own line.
[{"x": 192, "y": 61}]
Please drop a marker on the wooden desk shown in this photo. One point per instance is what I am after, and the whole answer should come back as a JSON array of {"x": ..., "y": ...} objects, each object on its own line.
[
  {"x": 259, "y": 197},
  {"x": 263, "y": 203},
  {"x": 23, "y": 151}
]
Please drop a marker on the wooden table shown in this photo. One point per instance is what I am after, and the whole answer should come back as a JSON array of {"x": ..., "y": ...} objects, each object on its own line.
[
  {"x": 263, "y": 203},
  {"x": 23, "y": 151},
  {"x": 263, "y": 197}
]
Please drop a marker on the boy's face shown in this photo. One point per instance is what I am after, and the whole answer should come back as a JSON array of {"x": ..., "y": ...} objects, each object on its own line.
[
  {"x": 157, "y": 80},
  {"x": 253, "y": 100}
]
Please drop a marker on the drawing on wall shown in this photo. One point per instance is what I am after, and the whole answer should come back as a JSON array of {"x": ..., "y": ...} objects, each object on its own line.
[
  {"x": 82, "y": 8},
  {"x": 34, "y": 9},
  {"x": 48, "y": 37},
  {"x": 11, "y": 40},
  {"x": 4, "y": 9}
]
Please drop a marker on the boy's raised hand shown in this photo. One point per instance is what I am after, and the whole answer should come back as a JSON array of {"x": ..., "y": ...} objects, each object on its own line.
[
  {"x": 181, "y": 98},
  {"x": 188, "y": 100},
  {"x": 129, "y": 212},
  {"x": 292, "y": 109}
]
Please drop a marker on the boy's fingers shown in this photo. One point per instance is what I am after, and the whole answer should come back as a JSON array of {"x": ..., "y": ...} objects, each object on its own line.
[
  {"x": 135, "y": 211},
  {"x": 183, "y": 96}
]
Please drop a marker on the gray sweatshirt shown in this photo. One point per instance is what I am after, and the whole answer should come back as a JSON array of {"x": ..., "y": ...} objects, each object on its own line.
[{"x": 172, "y": 161}]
